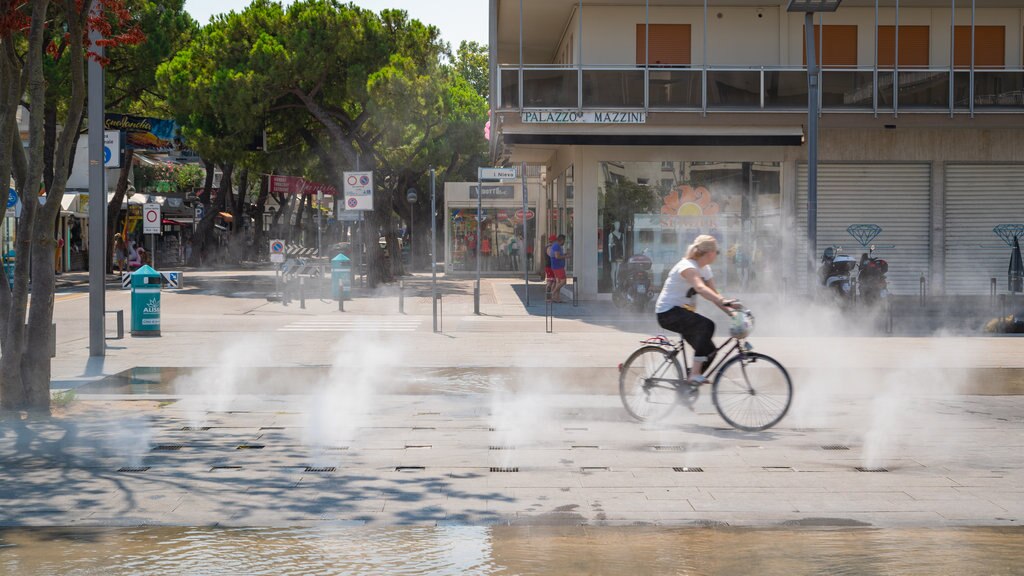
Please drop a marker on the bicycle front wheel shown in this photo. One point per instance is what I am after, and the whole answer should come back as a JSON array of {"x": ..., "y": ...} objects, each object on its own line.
[
  {"x": 648, "y": 383},
  {"x": 752, "y": 392}
]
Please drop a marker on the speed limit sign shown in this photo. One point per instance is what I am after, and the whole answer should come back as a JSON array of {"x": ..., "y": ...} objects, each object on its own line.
[{"x": 151, "y": 219}]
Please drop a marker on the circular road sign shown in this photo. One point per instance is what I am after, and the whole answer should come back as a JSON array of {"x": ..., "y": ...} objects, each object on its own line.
[
  {"x": 12, "y": 198},
  {"x": 364, "y": 180},
  {"x": 106, "y": 155},
  {"x": 411, "y": 196},
  {"x": 277, "y": 247},
  {"x": 352, "y": 202},
  {"x": 151, "y": 216}
]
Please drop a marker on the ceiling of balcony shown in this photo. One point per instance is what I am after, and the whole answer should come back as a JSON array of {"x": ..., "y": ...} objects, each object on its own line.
[{"x": 546, "y": 20}]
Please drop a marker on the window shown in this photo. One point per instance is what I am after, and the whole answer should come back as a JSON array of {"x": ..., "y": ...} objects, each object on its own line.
[
  {"x": 989, "y": 47},
  {"x": 914, "y": 46},
  {"x": 840, "y": 47},
  {"x": 669, "y": 45}
]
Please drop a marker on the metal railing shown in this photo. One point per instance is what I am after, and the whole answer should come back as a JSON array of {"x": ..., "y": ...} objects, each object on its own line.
[{"x": 766, "y": 88}]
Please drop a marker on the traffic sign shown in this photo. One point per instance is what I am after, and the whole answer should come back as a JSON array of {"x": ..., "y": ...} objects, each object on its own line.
[
  {"x": 200, "y": 212},
  {"x": 497, "y": 174},
  {"x": 12, "y": 198},
  {"x": 359, "y": 190},
  {"x": 277, "y": 246},
  {"x": 151, "y": 219},
  {"x": 112, "y": 149}
]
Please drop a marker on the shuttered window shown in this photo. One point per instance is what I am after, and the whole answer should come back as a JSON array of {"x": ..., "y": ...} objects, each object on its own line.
[
  {"x": 989, "y": 47},
  {"x": 669, "y": 44},
  {"x": 913, "y": 46},
  {"x": 840, "y": 48}
]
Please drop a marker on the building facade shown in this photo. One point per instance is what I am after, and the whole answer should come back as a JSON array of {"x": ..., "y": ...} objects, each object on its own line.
[{"x": 664, "y": 120}]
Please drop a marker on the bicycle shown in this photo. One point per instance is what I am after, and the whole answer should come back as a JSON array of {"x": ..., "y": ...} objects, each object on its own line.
[{"x": 751, "y": 391}]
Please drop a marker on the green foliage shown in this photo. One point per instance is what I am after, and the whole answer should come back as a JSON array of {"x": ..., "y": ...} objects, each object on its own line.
[
  {"x": 472, "y": 63},
  {"x": 623, "y": 199},
  {"x": 62, "y": 399},
  {"x": 168, "y": 177}
]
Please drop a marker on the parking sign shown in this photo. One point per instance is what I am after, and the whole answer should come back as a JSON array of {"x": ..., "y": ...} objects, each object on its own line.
[{"x": 359, "y": 191}]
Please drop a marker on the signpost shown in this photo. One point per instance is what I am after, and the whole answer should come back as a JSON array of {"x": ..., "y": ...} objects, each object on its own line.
[
  {"x": 485, "y": 174},
  {"x": 433, "y": 244},
  {"x": 358, "y": 194},
  {"x": 277, "y": 251},
  {"x": 411, "y": 196},
  {"x": 151, "y": 227}
]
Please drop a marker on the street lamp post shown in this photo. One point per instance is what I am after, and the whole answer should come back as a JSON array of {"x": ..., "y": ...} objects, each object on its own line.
[
  {"x": 809, "y": 7},
  {"x": 412, "y": 197}
]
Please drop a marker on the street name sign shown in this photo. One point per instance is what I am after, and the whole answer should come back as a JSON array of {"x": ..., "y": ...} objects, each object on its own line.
[{"x": 497, "y": 174}]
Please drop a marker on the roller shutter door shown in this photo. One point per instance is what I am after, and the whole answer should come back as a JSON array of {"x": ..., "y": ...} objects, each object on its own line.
[
  {"x": 980, "y": 197},
  {"x": 895, "y": 197}
]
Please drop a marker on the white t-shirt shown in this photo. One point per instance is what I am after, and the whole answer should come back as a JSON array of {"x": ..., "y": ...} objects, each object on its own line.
[{"x": 674, "y": 292}]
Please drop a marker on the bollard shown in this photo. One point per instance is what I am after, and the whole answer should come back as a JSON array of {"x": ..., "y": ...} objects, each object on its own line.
[
  {"x": 992, "y": 292},
  {"x": 401, "y": 297},
  {"x": 440, "y": 317},
  {"x": 302, "y": 292},
  {"x": 922, "y": 289},
  {"x": 1002, "y": 313},
  {"x": 341, "y": 295},
  {"x": 549, "y": 317},
  {"x": 888, "y": 320},
  {"x": 575, "y": 292}
]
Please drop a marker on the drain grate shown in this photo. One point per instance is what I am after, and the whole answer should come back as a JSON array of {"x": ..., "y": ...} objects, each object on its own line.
[
  {"x": 133, "y": 469},
  {"x": 225, "y": 467},
  {"x": 418, "y": 446},
  {"x": 337, "y": 448},
  {"x": 585, "y": 447},
  {"x": 668, "y": 448},
  {"x": 578, "y": 429},
  {"x": 499, "y": 429},
  {"x": 861, "y": 469},
  {"x": 168, "y": 447},
  {"x": 410, "y": 468},
  {"x": 428, "y": 413},
  {"x": 595, "y": 469},
  {"x": 271, "y": 427},
  {"x": 321, "y": 469},
  {"x": 423, "y": 428},
  {"x": 687, "y": 469},
  {"x": 195, "y": 428},
  {"x": 502, "y": 447},
  {"x": 250, "y": 447},
  {"x": 835, "y": 447},
  {"x": 778, "y": 469},
  {"x": 504, "y": 470}
]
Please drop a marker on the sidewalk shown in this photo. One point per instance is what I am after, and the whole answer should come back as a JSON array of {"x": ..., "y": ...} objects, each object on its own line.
[{"x": 267, "y": 415}]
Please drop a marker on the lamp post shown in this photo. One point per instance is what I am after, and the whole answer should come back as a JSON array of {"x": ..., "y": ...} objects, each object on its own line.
[
  {"x": 809, "y": 7},
  {"x": 412, "y": 197}
]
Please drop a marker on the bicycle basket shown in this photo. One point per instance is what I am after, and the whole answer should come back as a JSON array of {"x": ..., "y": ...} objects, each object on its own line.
[{"x": 742, "y": 324}]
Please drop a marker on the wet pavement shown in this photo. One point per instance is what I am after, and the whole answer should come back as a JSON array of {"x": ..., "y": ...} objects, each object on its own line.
[{"x": 461, "y": 550}]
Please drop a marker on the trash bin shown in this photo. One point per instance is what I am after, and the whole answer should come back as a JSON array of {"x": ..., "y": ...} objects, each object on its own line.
[
  {"x": 341, "y": 272},
  {"x": 146, "y": 302}
]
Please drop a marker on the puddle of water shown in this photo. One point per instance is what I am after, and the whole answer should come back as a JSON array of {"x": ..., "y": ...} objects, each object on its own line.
[{"x": 508, "y": 550}]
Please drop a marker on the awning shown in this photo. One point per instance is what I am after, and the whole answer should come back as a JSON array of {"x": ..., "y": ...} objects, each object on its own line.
[
  {"x": 585, "y": 135},
  {"x": 226, "y": 216}
]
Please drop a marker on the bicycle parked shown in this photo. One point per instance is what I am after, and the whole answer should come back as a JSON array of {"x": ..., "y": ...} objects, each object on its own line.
[{"x": 751, "y": 391}]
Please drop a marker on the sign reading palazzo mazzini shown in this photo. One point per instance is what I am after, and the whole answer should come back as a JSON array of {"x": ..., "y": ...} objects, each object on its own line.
[{"x": 586, "y": 117}]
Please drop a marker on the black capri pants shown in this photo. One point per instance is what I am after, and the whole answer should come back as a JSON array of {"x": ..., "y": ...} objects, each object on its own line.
[{"x": 697, "y": 330}]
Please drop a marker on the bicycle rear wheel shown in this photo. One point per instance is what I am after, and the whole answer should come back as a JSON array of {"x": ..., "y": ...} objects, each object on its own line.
[
  {"x": 648, "y": 383},
  {"x": 752, "y": 392}
]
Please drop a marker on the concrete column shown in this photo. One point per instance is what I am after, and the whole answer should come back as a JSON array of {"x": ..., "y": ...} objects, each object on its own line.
[
  {"x": 938, "y": 241},
  {"x": 585, "y": 243}
]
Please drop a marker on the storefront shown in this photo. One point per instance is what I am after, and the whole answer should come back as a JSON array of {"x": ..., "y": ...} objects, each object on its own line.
[
  {"x": 73, "y": 233},
  {"x": 503, "y": 250}
]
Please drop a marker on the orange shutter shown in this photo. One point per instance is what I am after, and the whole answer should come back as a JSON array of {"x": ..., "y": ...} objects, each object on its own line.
[
  {"x": 669, "y": 44},
  {"x": 914, "y": 46},
  {"x": 840, "y": 49},
  {"x": 989, "y": 47}
]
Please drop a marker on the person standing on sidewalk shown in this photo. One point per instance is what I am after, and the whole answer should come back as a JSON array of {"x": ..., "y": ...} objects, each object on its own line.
[{"x": 557, "y": 267}]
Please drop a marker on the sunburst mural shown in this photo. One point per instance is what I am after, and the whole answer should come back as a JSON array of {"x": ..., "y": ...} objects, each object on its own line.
[{"x": 685, "y": 200}]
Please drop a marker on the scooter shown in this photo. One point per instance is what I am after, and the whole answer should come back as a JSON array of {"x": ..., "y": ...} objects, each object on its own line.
[
  {"x": 871, "y": 278},
  {"x": 633, "y": 286},
  {"x": 834, "y": 274}
]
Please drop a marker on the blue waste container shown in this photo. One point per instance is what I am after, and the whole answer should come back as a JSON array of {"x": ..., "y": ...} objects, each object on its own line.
[
  {"x": 146, "y": 302},
  {"x": 341, "y": 274}
]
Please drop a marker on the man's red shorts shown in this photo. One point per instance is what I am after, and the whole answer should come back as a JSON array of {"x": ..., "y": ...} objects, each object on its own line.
[
  {"x": 549, "y": 274},
  {"x": 559, "y": 273}
]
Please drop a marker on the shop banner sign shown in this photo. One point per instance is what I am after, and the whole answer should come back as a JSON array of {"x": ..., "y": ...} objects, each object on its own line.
[
  {"x": 359, "y": 191},
  {"x": 297, "y": 185},
  {"x": 493, "y": 192},
  {"x": 588, "y": 117},
  {"x": 143, "y": 133}
]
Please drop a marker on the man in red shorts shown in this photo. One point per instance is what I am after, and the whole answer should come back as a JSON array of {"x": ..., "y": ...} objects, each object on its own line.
[
  {"x": 549, "y": 274},
  {"x": 557, "y": 267}
]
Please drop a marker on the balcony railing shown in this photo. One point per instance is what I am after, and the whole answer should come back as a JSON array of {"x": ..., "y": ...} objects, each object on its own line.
[{"x": 776, "y": 89}]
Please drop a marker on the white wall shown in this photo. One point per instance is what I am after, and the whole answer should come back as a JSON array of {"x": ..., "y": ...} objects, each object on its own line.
[{"x": 742, "y": 38}]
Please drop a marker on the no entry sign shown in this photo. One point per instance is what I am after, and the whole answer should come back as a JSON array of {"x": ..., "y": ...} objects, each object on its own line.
[{"x": 151, "y": 219}]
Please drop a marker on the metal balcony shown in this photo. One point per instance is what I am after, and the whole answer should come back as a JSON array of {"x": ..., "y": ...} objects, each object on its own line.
[{"x": 772, "y": 89}]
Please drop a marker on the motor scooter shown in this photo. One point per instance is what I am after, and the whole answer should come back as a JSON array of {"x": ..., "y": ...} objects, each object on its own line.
[
  {"x": 834, "y": 274},
  {"x": 633, "y": 287}
]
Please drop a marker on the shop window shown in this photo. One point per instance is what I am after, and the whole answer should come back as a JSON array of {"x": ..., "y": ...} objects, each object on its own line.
[
  {"x": 914, "y": 46},
  {"x": 840, "y": 45},
  {"x": 669, "y": 45},
  {"x": 989, "y": 47}
]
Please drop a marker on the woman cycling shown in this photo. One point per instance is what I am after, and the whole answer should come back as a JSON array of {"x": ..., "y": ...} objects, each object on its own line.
[{"x": 677, "y": 303}]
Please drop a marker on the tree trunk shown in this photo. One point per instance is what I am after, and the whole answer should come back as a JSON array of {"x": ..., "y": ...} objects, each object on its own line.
[
  {"x": 259, "y": 236},
  {"x": 303, "y": 200},
  {"x": 114, "y": 206},
  {"x": 236, "y": 242},
  {"x": 204, "y": 231}
]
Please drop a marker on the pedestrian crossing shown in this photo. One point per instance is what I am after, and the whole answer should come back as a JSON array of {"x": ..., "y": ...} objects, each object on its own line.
[{"x": 353, "y": 325}]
